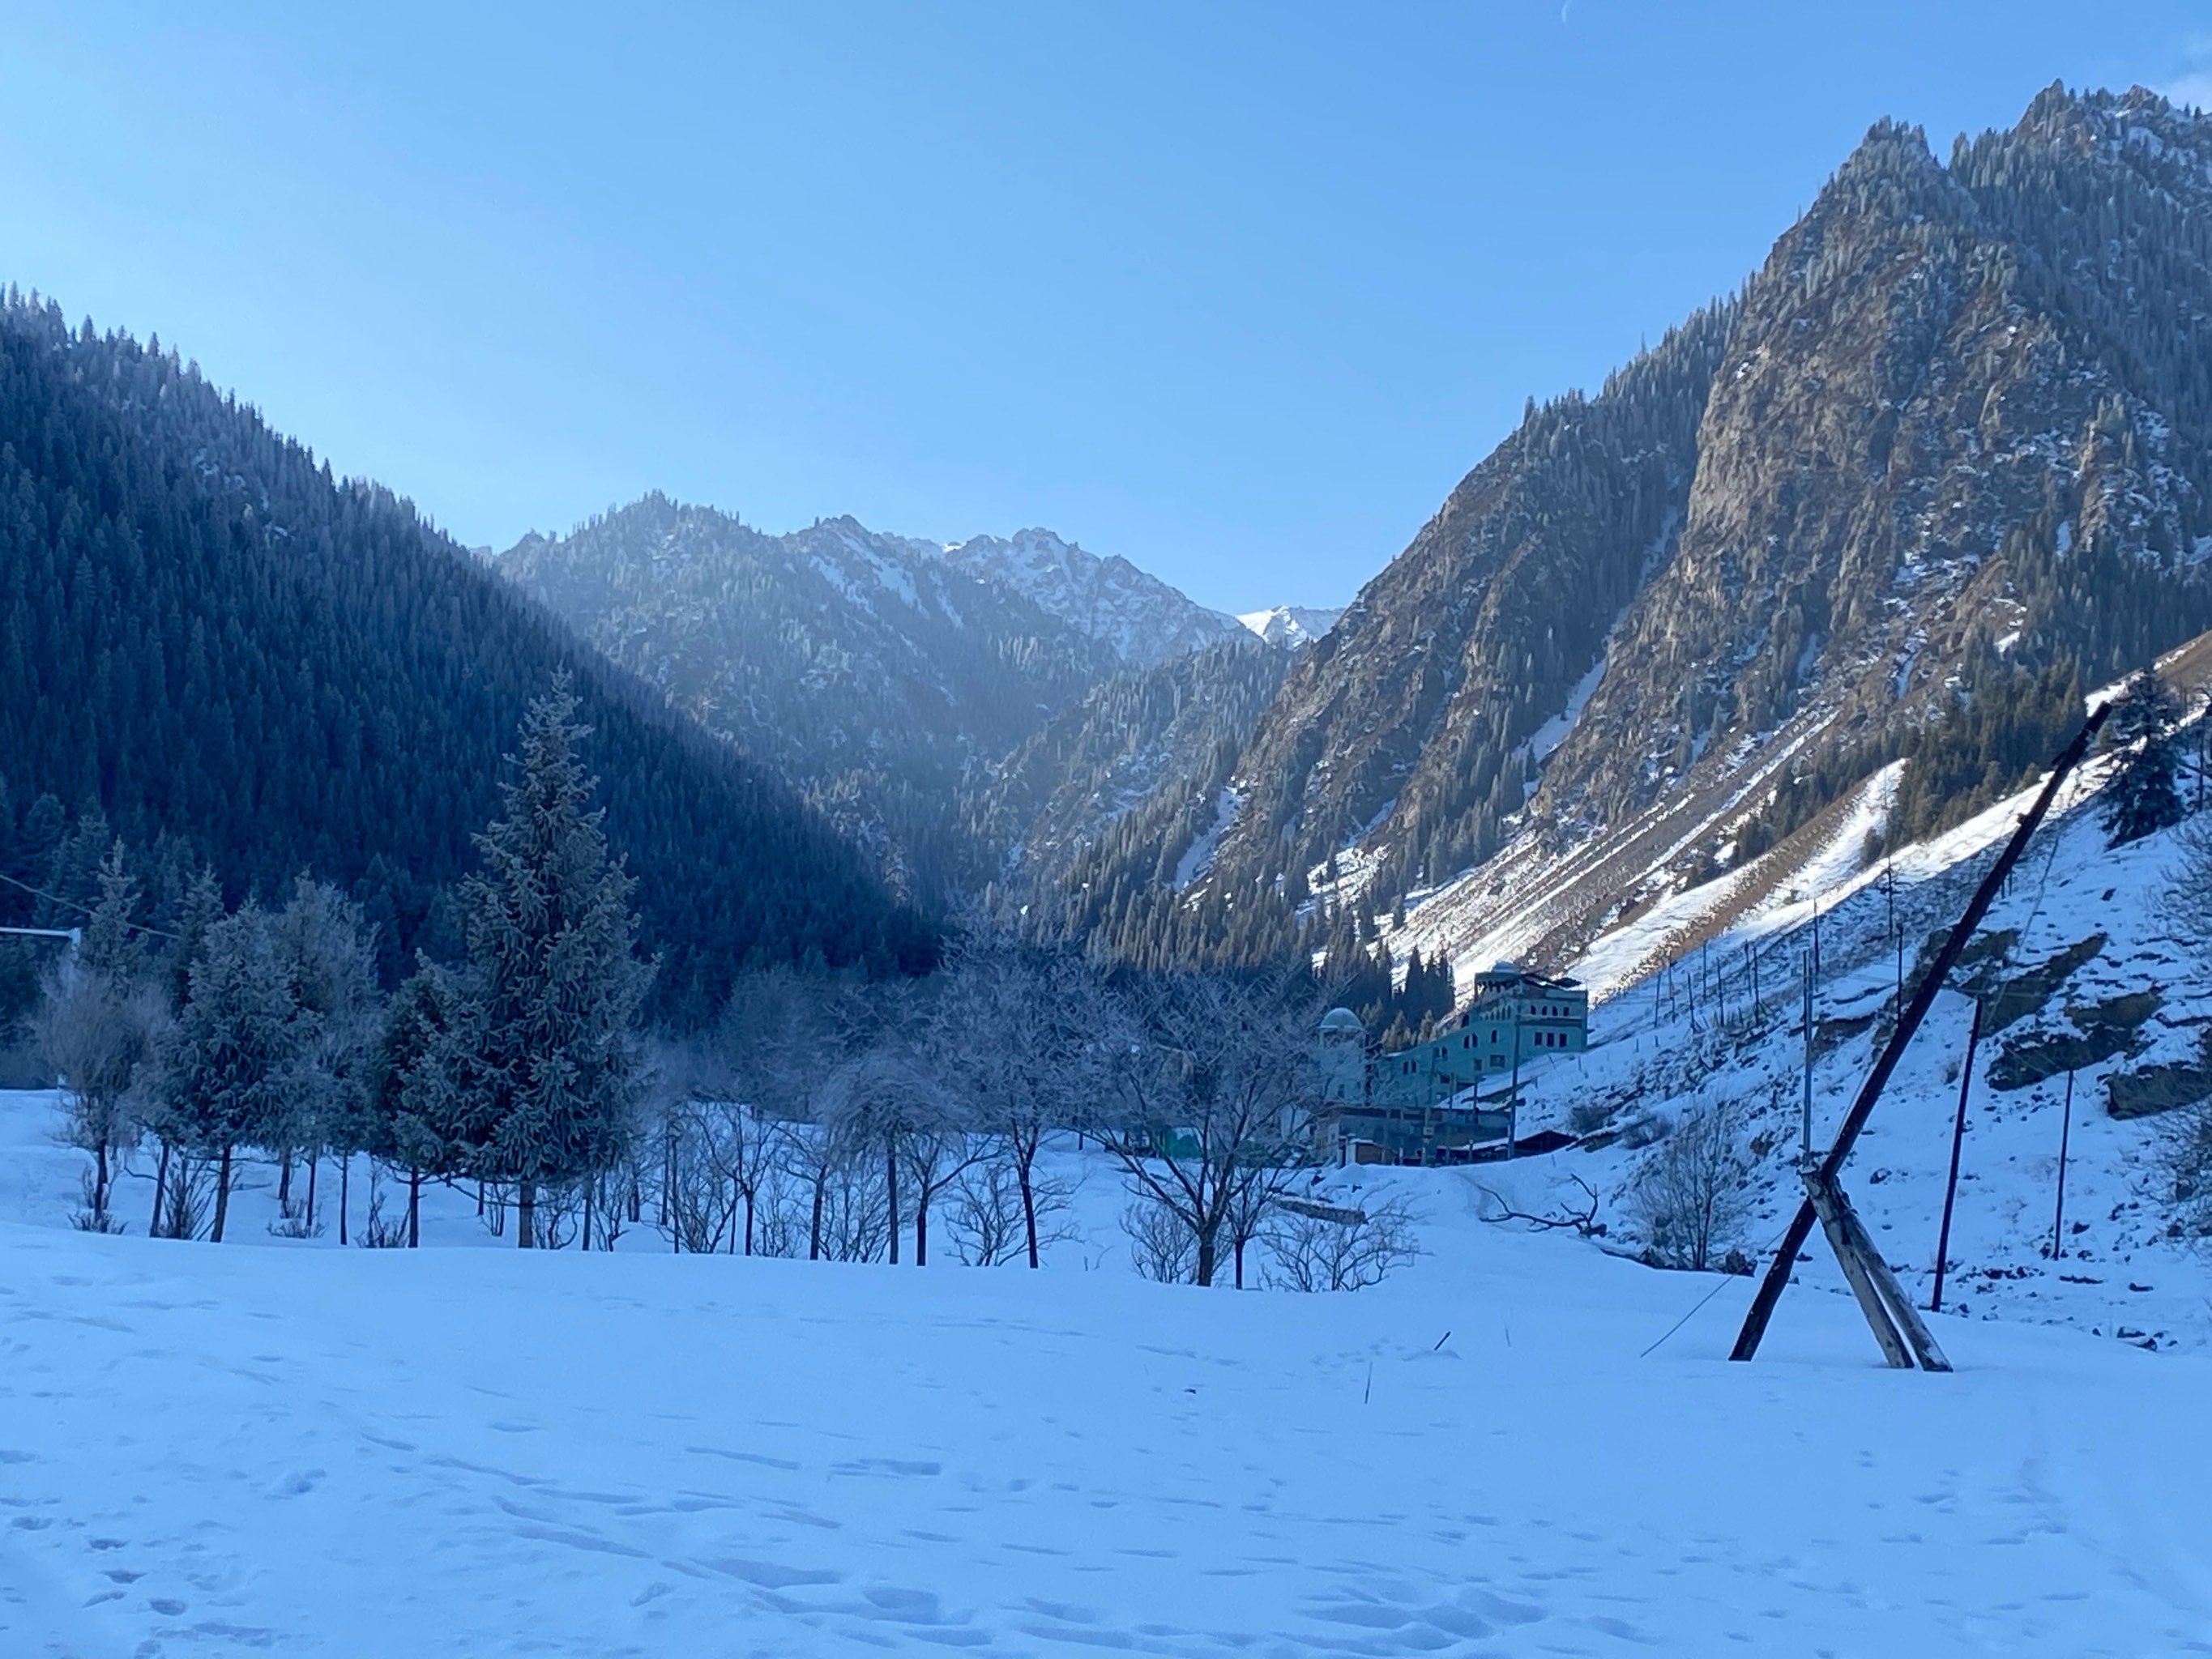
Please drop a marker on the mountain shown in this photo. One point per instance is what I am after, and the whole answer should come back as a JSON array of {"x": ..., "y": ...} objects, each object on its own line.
[
  {"x": 1941, "y": 465},
  {"x": 213, "y": 647},
  {"x": 1141, "y": 754},
  {"x": 1140, "y": 617},
  {"x": 1290, "y": 625},
  {"x": 886, "y": 678}
]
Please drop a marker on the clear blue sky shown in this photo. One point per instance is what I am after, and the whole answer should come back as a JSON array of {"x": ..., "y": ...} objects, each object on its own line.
[{"x": 1238, "y": 291}]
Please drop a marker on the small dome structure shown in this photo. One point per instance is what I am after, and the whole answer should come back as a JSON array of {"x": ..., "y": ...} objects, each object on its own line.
[{"x": 1342, "y": 1021}]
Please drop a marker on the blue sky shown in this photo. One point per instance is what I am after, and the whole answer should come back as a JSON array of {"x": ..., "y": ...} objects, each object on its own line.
[{"x": 1238, "y": 291}]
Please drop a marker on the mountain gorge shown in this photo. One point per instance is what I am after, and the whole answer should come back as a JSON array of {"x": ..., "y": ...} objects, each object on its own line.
[
  {"x": 1941, "y": 465},
  {"x": 932, "y": 700}
]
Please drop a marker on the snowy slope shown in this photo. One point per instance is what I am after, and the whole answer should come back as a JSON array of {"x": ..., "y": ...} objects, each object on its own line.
[
  {"x": 2093, "y": 922},
  {"x": 278, "y": 1446}
]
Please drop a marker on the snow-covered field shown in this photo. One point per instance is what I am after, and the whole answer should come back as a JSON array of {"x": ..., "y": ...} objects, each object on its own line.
[{"x": 273, "y": 1445}]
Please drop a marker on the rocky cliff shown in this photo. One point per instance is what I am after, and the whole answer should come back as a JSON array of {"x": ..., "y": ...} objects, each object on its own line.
[{"x": 1940, "y": 464}]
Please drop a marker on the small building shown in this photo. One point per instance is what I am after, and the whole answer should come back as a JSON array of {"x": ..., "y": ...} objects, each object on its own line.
[{"x": 1441, "y": 1099}]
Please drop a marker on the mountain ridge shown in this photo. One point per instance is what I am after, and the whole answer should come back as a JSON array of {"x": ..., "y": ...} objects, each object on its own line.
[{"x": 1940, "y": 464}]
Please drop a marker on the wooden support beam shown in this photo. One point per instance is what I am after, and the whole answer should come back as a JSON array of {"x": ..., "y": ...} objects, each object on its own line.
[
  {"x": 1923, "y": 998},
  {"x": 1826, "y": 1203}
]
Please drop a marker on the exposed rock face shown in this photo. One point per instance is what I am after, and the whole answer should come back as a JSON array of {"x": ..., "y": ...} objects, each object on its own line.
[
  {"x": 1147, "y": 746},
  {"x": 1951, "y": 443},
  {"x": 931, "y": 700},
  {"x": 1142, "y": 618},
  {"x": 865, "y": 668}
]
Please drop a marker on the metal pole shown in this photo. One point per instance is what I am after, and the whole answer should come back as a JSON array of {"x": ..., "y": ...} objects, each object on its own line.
[
  {"x": 1513, "y": 1103},
  {"x": 1958, "y": 1139},
  {"x": 2065, "y": 1131},
  {"x": 1889, "y": 889},
  {"x": 1806, "y": 1138}
]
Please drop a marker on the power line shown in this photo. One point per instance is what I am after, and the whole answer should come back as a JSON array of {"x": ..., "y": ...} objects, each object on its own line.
[{"x": 56, "y": 898}]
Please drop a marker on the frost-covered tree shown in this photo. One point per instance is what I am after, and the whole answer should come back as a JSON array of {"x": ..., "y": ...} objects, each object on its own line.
[
  {"x": 325, "y": 947},
  {"x": 1215, "y": 1104},
  {"x": 406, "y": 1115},
  {"x": 234, "y": 1063},
  {"x": 2142, "y": 796},
  {"x": 540, "y": 1066},
  {"x": 96, "y": 1026},
  {"x": 1016, "y": 1032}
]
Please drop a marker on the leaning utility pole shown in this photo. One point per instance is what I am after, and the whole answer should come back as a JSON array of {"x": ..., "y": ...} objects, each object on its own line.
[
  {"x": 1880, "y": 1296},
  {"x": 1958, "y": 1146}
]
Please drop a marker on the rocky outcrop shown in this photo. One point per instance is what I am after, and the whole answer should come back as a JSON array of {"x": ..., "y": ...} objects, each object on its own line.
[{"x": 1942, "y": 464}]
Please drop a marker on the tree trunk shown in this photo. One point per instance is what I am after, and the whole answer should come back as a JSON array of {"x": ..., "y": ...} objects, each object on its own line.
[
  {"x": 587, "y": 1215},
  {"x": 1205, "y": 1256},
  {"x": 667, "y": 1170},
  {"x": 345, "y": 1191},
  {"x": 1024, "y": 1177},
  {"x": 749, "y": 1221},
  {"x": 922, "y": 1227},
  {"x": 99, "y": 1177},
  {"x": 160, "y": 1192},
  {"x": 314, "y": 1163},
  {"x": 480, "y": 1201},
  {"x": 284, "y": 1181},
  {"x": 414, "y": 1208},
  {"x": 814, "y": 1229},
  {"x": 636, "y": 1197},
  {"x": 526, "y": 1215},
  {"x": 890, "y": 1191},
  {"x": 222, "y": 1198}
]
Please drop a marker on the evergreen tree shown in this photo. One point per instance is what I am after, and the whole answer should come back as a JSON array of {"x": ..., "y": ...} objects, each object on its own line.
[
  {"x": 408, "y": 1118},
  {"x": 540, "y": 1064},
  {"x": 232, "y": 1065},
  {"x": 327, "y": 953},
  {"x": 2142, "y": 796}
]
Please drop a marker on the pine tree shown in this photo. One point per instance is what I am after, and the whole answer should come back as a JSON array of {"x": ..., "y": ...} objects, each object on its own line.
[
  {"x": 326, "y": 949},
  {"x": 231, "y": 1066},
  {"x": 2142, "y": 796},
  {"x": 540, "y": 1064}
]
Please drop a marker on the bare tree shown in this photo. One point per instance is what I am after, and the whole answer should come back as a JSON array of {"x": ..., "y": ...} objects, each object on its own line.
[
  {"x": 2186, "y": 1152},
  {"x": 1693, "y": 1195},
  {"x": 883, "y": 1098},
  {"x": 994, "y": 1219},
  {"x": 781, "y": 1046},
  {"x": 1159, "y": 1240},
  {"x": 98, "y": 1031},
  {"x": 97, "y": 1026},
  {"x": 1215, "y": 1107},
  {"x": 1026, "y": 1034},
  {"x": 1324, "y": 1248}
]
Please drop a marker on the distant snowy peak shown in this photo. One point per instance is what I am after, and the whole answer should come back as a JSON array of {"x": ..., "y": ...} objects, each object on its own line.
[
  {"x": 1142, "y": 618},
  {"x": 1291, "y": 625}
]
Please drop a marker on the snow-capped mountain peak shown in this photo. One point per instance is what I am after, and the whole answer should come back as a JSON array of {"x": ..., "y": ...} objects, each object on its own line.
[{"x": 1290, "y": 625}]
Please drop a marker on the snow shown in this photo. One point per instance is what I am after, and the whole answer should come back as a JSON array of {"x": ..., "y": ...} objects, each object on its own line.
[
  {"x": 1290, "y": 625},
  {"x": 1198, "y": 858},
  {"x": 1554, "y": 731},
  {"x": 1143, "y": 619},
  {"x": 284, "y": 1446}
]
